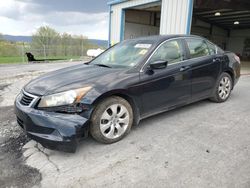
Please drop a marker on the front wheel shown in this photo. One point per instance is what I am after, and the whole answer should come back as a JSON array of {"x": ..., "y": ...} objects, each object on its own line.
[
  {"x": 111, "y": 120},
  {"x": 223, "y": 88}
]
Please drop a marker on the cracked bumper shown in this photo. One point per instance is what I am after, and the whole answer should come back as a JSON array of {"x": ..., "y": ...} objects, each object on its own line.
[{"x": 52, "y": 130}]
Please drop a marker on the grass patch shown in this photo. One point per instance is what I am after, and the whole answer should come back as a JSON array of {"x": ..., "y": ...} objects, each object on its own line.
[
  {"x": 12, "y": 60},
  {"x": 9, "y": 60}
]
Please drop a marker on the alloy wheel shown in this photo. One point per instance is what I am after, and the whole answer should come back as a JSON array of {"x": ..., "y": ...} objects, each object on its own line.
[
  {"x": 224, "y": 88},
  {"x": 114, "y": 121}
]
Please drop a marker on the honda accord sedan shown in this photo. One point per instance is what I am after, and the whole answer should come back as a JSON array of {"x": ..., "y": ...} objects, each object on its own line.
[{"x": 132, "y": 80}]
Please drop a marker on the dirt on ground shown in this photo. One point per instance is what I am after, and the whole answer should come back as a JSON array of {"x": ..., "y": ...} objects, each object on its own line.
[{"x": 13, "y": 171}]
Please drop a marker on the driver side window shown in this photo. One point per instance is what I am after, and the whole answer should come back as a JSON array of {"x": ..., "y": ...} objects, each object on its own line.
[{"x": 170, "y": 51}]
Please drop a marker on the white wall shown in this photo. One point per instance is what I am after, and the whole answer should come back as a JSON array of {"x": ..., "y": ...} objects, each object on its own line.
[
  {"x": 133, "y": 30},
  {"x": 117, "y": 14},
  {"x": 139, "y": 16},
  {"x": 200, "y": 28},
  {"x": 237, "y": 39},
  {"x": 174, "y": 16},
  {"x": 234, "y": 43},
  {"x": 140, "y": 23},
  {"x": 174, "y": 20},
  {"x": 218, "y": 36}
]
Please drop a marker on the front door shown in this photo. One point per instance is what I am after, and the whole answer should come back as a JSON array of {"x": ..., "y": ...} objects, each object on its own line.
[{"x": 167, "y": 87}]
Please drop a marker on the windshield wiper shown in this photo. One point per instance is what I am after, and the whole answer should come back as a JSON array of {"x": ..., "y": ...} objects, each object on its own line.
[{"x": 103, "y": 65}]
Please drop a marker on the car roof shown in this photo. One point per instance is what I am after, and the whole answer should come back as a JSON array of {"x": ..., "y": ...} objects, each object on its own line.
[{"x": 160, "y": 38}]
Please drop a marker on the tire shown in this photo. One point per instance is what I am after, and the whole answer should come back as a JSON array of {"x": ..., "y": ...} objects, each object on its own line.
[
  {"x": 111, "y": 120},
  {"x": 224, "y": 85}
]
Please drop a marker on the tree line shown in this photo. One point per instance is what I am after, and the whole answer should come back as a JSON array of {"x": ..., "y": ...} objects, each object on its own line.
[
  {"x": 8, "y": 48},
  {"x": 47, "y": 42}
]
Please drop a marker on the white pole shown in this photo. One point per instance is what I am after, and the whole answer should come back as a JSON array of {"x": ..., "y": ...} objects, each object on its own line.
[
  {"x": 44, "y": 52},
  {"x": 23, "y": 52}
]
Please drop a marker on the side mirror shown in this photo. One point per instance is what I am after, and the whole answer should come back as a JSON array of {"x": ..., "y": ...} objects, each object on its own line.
[{"x": 158, "y": 65}]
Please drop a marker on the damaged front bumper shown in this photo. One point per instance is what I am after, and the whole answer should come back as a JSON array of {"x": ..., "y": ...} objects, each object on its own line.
[{"x": 53, "y": 130}]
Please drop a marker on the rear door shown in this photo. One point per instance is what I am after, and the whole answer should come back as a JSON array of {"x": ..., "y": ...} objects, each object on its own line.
[{"x": 205, "y": 67}]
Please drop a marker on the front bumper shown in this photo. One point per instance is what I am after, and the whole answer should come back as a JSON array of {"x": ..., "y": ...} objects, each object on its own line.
[{"x": 53, "y": 130}]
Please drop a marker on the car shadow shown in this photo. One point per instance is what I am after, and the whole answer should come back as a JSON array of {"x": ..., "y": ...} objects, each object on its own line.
[
  {"x": 148, "y": 122},
  {"x": 177, "y": 111},
  {"x": 89, "y": 142}
]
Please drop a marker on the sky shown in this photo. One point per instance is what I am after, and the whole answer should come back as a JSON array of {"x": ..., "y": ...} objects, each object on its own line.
[{"x": 80, "y": 17}]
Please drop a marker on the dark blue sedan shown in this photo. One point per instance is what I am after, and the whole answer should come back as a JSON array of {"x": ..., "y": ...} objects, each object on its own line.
[{"x": 130, "y": 81}]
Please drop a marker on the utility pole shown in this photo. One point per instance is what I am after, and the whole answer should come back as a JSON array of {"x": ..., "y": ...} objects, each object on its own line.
[
  {"x": 44, "y": 51},
  {"x": 82, "y": 46},
  {"x": 23, "y": 52}
]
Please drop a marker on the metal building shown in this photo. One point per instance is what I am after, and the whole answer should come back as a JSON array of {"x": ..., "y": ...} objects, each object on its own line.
[
  {"x": 225, "y": 22},
  {"x": 133, "y": 18}
]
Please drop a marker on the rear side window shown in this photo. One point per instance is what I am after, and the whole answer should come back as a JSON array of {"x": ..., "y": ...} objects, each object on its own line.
[
  {"x": 170, "y": 51},
  {"x": 197, "y": 48},
  {"x": 211, "y": 48}
]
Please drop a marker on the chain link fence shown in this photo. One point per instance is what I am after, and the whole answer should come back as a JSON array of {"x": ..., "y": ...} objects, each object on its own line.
[{"x": 25, "y": 53}]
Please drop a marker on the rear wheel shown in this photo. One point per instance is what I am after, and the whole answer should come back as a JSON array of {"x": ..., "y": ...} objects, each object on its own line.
[
  {"x": 223, "y": 88},
  {"x": 111, "y": 120}
]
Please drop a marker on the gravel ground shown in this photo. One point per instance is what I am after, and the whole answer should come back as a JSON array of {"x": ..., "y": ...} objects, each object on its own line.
[
  {"x": 13, "y": 170},
  {"x": 200, "y": 145}
]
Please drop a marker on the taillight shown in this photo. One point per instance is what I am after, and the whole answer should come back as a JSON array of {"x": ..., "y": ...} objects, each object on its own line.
[{"x": 237, "y": 58}]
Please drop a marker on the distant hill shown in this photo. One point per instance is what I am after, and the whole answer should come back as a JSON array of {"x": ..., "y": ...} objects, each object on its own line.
[
  {"x": 98, "y": 42},
  {"x": 17, "y": 38}
]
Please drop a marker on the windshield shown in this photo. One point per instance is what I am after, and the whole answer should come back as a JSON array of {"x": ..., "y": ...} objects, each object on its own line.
[{"x": 126, "y": 54}]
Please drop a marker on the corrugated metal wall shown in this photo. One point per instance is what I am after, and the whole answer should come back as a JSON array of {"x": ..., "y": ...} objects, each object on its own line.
[
  {"x": 116, "y": 16},
  {"x": 176, "y": 16}
]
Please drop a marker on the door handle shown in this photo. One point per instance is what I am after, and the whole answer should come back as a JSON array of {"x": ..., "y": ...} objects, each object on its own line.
[
  {"x": 183, "y": 68},
  {"x": 216, "y": 60}
]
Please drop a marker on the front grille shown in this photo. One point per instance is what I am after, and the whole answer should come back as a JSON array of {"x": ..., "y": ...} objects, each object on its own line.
[{"x": 26, "y": 99}]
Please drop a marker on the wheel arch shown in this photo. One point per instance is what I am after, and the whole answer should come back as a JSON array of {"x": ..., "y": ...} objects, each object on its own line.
[
  {"x": 231, "y": 73},
  {"x": 123, "y": 94}
]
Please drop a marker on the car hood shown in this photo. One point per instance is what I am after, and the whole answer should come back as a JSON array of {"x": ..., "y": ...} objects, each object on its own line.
[{"x": 70, "y": 78}]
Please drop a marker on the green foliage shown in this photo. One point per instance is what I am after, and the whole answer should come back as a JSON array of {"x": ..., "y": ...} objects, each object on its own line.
[
  {"x": 9, "y": 48},
  {"x": 1, "y": 37},
  {"x": 11, "y": 59},
  {"x": 45, "y": 38},
  {"x": 48, "y": 42},
  {"x": 20, "y": 59}
]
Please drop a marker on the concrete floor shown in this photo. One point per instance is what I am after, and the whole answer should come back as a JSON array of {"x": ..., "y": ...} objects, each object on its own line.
[
  {"x": 201, "y": 145},
  {"x": 245, "y": 67}
]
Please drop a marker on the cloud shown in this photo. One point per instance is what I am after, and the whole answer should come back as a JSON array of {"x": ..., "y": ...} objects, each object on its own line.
[
  {"x": 23, "y": 17},
  {"x": 66, "y": 18},
  {"x": 88, "y": 6},
  {"x": 11, "y": 9}
]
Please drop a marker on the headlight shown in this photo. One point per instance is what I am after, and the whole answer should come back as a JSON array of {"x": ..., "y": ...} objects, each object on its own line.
[{"x": 63, "y": 98}]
